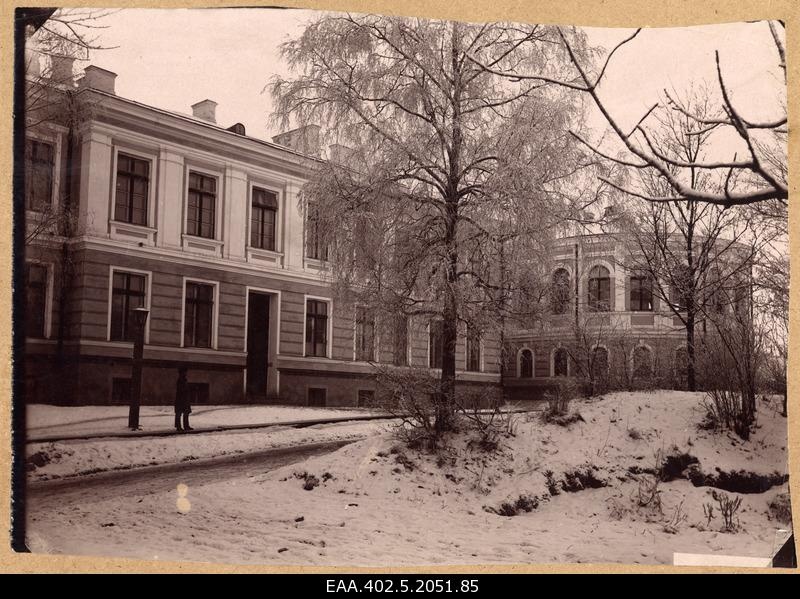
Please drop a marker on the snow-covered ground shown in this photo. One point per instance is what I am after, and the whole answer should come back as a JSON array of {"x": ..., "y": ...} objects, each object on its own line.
[
  {"x": 76, "y": 457},
  {"x": 48, "y": 420},
  {"x": 375, "y": 503}
]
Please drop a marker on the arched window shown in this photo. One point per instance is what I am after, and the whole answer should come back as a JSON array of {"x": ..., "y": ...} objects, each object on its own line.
[
  {"x": 599, "y": 289},
  {"x": 642, "y": 363},
  {"x": 560, "y": 292},
  {"x": 526, "y": 364},
  {"x": 560, "y": 361},
  {"x": 600, "y": 363},
  {"x": 600, "y": 370}
]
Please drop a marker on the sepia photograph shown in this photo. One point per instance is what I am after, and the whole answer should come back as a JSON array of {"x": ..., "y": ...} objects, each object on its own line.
[{"x": 296, "y": 287}]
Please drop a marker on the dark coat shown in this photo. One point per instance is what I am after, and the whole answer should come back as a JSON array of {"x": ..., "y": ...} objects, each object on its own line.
[{"x": 182, "y": 403}]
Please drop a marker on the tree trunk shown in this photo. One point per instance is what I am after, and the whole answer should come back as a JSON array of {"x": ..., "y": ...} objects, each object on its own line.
[
  {"x": 691, "y": 383},
  {"x": 445, "y": 406}
]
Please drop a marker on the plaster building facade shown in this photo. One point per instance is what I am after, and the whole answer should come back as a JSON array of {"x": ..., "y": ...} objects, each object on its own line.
[{"x": 130, "y": 206}]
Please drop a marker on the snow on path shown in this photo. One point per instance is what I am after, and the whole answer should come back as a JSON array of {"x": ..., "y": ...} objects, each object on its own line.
[
  {"x": 42, "y": 419},
  {"x": 75, "y": 457}
]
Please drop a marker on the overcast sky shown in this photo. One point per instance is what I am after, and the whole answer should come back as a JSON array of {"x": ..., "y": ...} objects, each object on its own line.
[{"x": 172, "y": 58}]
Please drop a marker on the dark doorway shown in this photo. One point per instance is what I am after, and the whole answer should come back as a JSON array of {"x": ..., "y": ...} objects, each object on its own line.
[{"x": 257, "y": 345}]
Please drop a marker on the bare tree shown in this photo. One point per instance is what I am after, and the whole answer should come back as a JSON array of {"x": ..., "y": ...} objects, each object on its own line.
[
  {"x": 449, "y": 168},
  {"x": 53, "y": 41},
  {"x": 758, "y": 176},
  {"x": 685, "y": 252},
  {"x": 594, "y": 334}
]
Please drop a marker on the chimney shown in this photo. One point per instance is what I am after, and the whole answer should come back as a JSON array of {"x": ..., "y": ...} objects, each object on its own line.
[
  {"x": 303, "y": 139},
  {"x": 206, "y": 111},
  {"x": 32, "y": 66},
  {"x": 99, "y": 79},
  {"x": 338, "y": 153},
  {"x": 61, "y": 70}
]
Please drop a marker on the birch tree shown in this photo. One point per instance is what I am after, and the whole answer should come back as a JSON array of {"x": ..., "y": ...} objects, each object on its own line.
[{"x": 452, "y": 175}]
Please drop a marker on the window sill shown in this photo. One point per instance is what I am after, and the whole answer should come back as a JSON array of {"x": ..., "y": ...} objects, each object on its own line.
[
  {"x": 257, "y": 255},
  {"x": 123, "y": 231},
  {"x": 314, "y": 264},
  {"x": 201, "y": 245}
]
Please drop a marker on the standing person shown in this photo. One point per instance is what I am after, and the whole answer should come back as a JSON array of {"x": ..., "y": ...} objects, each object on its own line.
[{"x": 182, "y": 406}]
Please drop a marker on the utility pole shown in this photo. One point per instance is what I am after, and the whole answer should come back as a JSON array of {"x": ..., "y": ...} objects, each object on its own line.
[{"x": 140, "y": 320}]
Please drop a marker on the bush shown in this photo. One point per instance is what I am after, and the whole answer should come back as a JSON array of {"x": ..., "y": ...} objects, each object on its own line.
[
  {"x": 524, "y": 503},
  {"x": 550, "y": 481},
  {"x": 483, "y": 411},
  {"x": 781, "y": 509},
  {"x": 726, "y": 410},
  {"x": 558, "y": 400},
  {"x": 675, "y": 464},
  {"x": 578, "y": 480},
  {"x": 728, "y": 508},
  {"x": 678, "y": 518},
  {"x": 410, "y": 395}
]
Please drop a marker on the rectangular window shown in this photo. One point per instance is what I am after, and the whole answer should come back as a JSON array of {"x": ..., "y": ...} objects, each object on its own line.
[
  {"x": 198, "y": 315},
  {"x": 600, "y": 294},
  {"x": 400, "y": 340},
  {"x": 262, "y": 219},
  {"x": 35, "y": 300},
  {"x": 316, "y": 328},
  {"x": 641, "y": 294},
  {"x": 317, "y": 397},
  {"x": 365, "y": 334},
  {"x": 315, "y": 246},
  {"x": 436, "y": 344},
  {"x": 366, "y": 398},
  {"x": 120, "y": 391},
  {"x": 473, "y": 349},
  {"x": 128, "y": 292},
  {"x": 677, "y": 298},
  {"x": 133, "y": 183},
  {"x": 39, "y": 161},
  {"x": 202, "y": 205}
]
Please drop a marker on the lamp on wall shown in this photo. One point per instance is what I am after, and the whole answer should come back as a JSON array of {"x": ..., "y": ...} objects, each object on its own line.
[{"x": 139, "y": 321}]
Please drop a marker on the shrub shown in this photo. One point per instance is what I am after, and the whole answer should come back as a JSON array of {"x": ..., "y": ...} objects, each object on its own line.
[
  {"x": 491, "y": 423},
  {"x": 648, "y": 493},
  {"x": 726, "y": 410},
  {"x": 675, "y": 464},
  {"x": 578, "y": 480},
  {"x": 524, "y": 503},
  {"x": 403, "y": 460},
  {"x": 409, "y": 395},
  {"x": 708, "y": 511},
  {"x": 550, "y": 481},
  {"x": 728, "y": 508},
  {"x": 678, "y": 518},
  {"x": 781, "y": 508},
  {"x": 558, "y": 400}
]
